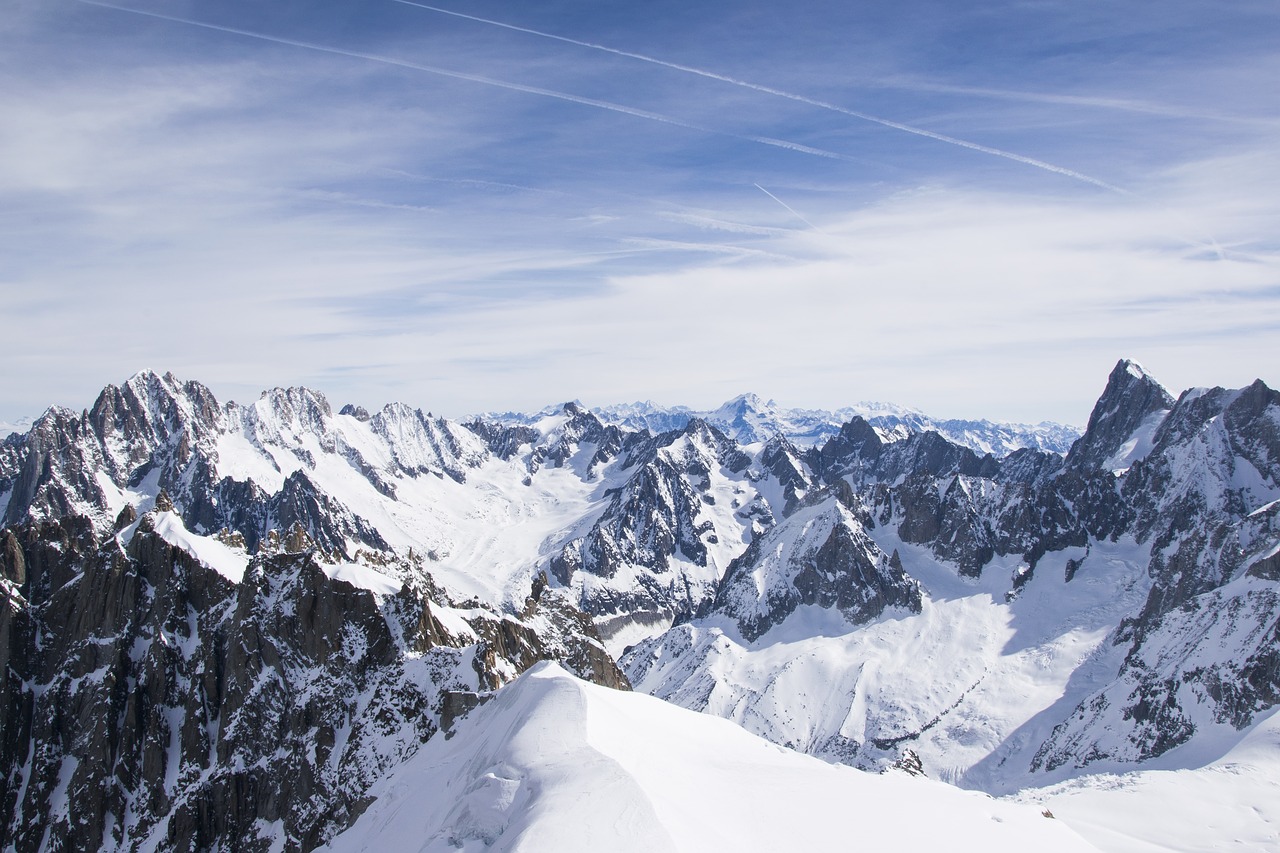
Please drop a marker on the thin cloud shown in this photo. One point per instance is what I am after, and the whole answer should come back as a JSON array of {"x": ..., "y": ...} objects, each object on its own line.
[
  {"x": 595, "y": 103},
  {"x": 769, "y": 90},
  {"x": 716, "y": 224},
  {"x": 470, "y": 249},
  {"x": 655, "y": 244},
  {"x": 469, "y": 182},
  {"x": 1053, "y": 98}
]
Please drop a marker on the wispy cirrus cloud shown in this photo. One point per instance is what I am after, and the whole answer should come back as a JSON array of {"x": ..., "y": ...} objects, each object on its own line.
[{"x": 472, "y": 217}]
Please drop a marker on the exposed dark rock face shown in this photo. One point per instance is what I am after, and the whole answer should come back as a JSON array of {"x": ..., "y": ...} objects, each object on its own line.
[
  {"x": 1029, "y": 468},
  {"x": 969, "y": 508},
  {"x": 1214, "y": 659},
  {"x": 177, "y": 709},
  {"x": 1204, "y": 499},
  {"x": 580, "y": 430},
  {"x": 504, "y": 441},
  {"x": 1216, "y": 459},
  {"x": 929, "y": 453},
  {"x": 652, "y": 521},
  {"x": 822, "y": 556},
  {"x": 856, "y": 448},
  {"x": 859, "y": 452},
  {"x": 1130, "y": 398},
  {"x": 156, "y": 682},
  {"x": 1189, "y": 487},
  {"x": 909, "y": 763},
  {"x": 781, "y": 459},
  {"x": 155, "y": 432}
]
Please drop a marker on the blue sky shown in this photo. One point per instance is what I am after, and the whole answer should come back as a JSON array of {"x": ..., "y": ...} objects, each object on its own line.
[{"x": 971, "y": 208}]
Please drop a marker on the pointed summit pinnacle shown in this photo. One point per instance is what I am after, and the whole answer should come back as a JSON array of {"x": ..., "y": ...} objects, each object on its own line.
[{"x": 1129, "y": 400}]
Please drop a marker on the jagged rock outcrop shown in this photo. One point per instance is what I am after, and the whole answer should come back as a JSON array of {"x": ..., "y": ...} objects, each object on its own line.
[
  {"x": 248, "y": 468},
  {"x": 572, "y": 436},
  {"x": 1203, "y": 649},
  {"x": 819, "y": 556},
  {"x": 150, "y": 702},
  {"x": 1131, "y": 407},
  {"x": 783, "y": 460},
  {"x": 621, "y": 534},
  {"x": 855, "y": 449},
  {"x": 1215, "y": 460},
  {"x": 657, "y": 531},
  {"x": 1172, "y": 505}
]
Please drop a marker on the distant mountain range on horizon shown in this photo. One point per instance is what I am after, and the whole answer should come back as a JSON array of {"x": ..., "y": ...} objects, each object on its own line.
[
  {"x": 231, "y": 626},
  {"x": 748, "y": 419}
]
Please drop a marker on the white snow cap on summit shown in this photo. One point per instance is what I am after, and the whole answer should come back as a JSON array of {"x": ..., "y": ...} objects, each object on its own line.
[{"x": 1137, "y": 371}]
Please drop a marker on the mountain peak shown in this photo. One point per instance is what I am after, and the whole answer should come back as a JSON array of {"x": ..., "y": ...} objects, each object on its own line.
[
  {"x": 1132, "y": 402},
  {"x": 1131, "y": 367},
  {"x": 745, "y": 402},
  {"x": 146, "y": 374}
]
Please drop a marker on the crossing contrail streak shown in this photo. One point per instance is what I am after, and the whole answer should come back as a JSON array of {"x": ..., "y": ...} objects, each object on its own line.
[
  {"x": 789, "y": 208},
  {"x": 487, "y": 81},
  {"x": 769, "y": 90}
]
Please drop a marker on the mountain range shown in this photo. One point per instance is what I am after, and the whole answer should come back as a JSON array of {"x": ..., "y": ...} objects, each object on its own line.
[
  {"x": 272, "y": 626},
  {"x": 748, "y": 419}
]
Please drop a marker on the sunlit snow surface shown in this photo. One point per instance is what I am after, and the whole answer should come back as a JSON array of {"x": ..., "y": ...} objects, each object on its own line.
[
  {"x": 482, "y": 537},
  {"x": 226, "y": 561},
  {"x": 1231, "y": 803},
  {"x": 973, "y": 683},
  {"x": 559, "y": 765}
]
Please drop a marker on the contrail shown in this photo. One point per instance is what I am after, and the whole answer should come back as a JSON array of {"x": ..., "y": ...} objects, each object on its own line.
[
  {"x": 1093, "y": 101},
  {"x": 788, "y": 207},
  {"x": 486, "y": 81},
  {"x": 813, "y": 102}
]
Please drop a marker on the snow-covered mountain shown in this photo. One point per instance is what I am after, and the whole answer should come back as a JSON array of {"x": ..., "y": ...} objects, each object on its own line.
[
  {"x": 749, "y": 419},
  {"x": 1097, "y": 611},
  {"x": 233, "y": 623},
  {"x": 556, "y": 764}
]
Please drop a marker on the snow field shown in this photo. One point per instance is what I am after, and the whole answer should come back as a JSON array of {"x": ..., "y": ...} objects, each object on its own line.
[
  {"x": 966, "y": 683},
  {"x": 556, "y": 764},
  {"x": 1229, "y": 804}
]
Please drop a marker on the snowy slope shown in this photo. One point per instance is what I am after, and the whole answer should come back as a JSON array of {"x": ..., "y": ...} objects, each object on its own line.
[
  {"x": 226, "y": 561},
  {"x": 639, "y": 528},
  {"x": 559, "y": 765},
  {"x": 1178, "y": 803},
  {"x": 1016, "y": 622},
  {"x": 1073, "y": 618},
  {"x": 969, "y": 683}
]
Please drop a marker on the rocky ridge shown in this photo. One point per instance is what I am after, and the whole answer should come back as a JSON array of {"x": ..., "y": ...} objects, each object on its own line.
[
  {"x": 748, "y": 419},
  {"x": 152, "y": 703},
  {"x": 1174, "y": 502},
  {"x": 437, "y": 560}
]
